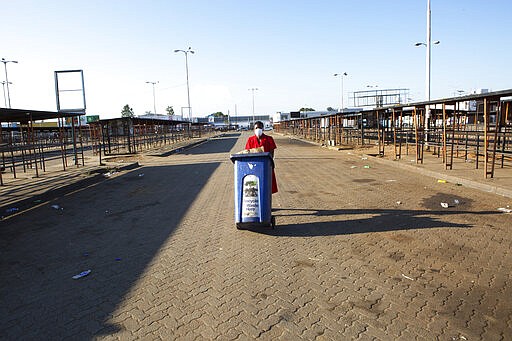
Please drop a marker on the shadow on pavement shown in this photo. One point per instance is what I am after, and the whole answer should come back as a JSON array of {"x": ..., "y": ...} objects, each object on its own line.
[
  {"x": 114, "y": 228},
  {"x": 374, "y": 220},
  {"x": 221, "y": 144},
  {"x": 21, "y": 197}
]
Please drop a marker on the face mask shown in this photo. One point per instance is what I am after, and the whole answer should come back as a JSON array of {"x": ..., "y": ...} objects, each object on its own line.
[{"x": 258, "y": 132}]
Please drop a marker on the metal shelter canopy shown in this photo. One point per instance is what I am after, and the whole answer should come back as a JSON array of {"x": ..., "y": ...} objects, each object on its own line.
[
  {"x": 139, "y": 120},
  {"x": 501, "y": 94},
  {"x": 26, "y": 115}
]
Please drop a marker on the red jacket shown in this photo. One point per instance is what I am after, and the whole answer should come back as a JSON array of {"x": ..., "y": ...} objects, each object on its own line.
[
  {"x": 265, "y": 141},
  {"x": 268, "y": 144}
]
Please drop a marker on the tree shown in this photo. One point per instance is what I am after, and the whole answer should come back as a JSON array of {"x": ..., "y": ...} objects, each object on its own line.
[
  {"x": 127, "y": 111},
  {"x": 218, "y": 114},
  {"x": 170, "y": 110},
  {"x": 330, "y": 109},
  {"x": 306, "y": 109}
]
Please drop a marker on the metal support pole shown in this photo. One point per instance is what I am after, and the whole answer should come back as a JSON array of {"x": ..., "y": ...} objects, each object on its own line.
[
  {"x": 486, "y": 136},
  {"x": 31, "y": 127},
  {"x": 394, "y": 131},
  {"x": 253, "y": 117}
]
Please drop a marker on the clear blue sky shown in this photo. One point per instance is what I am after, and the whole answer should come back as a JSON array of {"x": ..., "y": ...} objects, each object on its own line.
[{"x": 287, "y": 49}]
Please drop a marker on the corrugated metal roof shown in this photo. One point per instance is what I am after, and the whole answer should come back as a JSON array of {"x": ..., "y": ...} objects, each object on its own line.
[{"x": 25, "y": 115}]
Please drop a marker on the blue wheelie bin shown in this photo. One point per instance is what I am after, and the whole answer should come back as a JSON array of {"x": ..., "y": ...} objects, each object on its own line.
[{"x": 253, "y": 190}]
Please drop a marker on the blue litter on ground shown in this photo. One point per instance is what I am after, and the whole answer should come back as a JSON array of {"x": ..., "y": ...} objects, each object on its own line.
[{"x": 82, "y": 274}]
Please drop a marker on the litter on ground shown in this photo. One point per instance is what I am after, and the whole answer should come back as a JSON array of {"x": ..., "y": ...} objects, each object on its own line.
[
  {"x": 82, "y": 274},
  {"x": 409, "y": 278},
  {"x": 109, "y": 174}
]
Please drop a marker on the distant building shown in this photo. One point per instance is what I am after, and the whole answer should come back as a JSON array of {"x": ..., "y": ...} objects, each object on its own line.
[
  {"x": 246, "y": 122},
  {"x": 280, "y": 116},
  {"x": 162, "y": 117}
]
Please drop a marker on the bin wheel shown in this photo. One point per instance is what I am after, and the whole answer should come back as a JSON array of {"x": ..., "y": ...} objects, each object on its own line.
[
  {"x": 238, "y": 226},
  {"x": 273, "y": 222}
]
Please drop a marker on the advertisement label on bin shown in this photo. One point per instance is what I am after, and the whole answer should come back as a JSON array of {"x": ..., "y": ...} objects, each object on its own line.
[{"x": 250, "y": 197}]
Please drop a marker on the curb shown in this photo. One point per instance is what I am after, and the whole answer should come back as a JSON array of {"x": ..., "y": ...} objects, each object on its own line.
[{"x": 179, "y": 149}]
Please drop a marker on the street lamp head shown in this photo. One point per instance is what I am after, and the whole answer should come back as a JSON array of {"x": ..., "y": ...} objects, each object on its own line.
[
  {"x": 434, "y": 42},
  {"x": 9, "y": 61},
  {"x": 345, "y": 74},
  {"x": 185, "y": 51}
]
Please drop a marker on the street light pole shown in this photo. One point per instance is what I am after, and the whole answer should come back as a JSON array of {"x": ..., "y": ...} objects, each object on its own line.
[
  {"x": 6, "y": 78},
  {"x": 428, "y": 45},
  {"x": 429, "y": 51},
  {"x": 186, "y": 52},
  {"x": 341, "y": 75},
  {"x": 253, "y": 89},
  {"x": 428, "y": 63},
  {"x": 3, "y": 86},
  {"x": 154, "y": 100}
]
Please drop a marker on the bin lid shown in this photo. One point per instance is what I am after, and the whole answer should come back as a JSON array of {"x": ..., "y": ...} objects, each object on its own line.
[{"x": 235, "y": 157}]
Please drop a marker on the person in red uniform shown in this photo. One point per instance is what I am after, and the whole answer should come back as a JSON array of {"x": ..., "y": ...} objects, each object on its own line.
[{"x": 259, "y": 139}]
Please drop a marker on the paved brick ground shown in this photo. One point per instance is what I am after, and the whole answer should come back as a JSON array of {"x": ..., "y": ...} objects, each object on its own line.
[{"x": 358, "y": 253}]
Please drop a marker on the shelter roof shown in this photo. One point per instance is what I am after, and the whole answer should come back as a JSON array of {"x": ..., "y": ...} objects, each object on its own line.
[
  {"x": 140, "y": 120},
  {"x": 26, "y": 115},
  {"x": 495, "y": 95}
]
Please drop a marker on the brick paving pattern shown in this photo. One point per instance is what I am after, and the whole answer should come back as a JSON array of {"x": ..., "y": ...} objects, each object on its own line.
[{"x": 359, "y": 253}]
